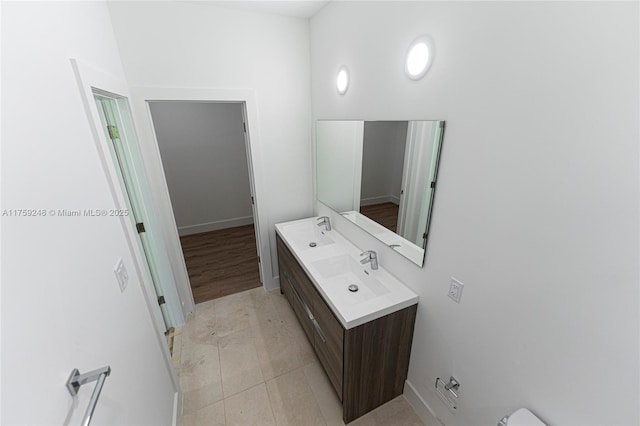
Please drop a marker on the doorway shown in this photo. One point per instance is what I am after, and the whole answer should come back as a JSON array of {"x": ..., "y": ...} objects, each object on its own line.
[{"x": 203, "y": 148}]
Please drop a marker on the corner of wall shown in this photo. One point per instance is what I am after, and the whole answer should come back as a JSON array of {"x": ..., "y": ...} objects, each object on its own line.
[{"x": 422, "y": 409}]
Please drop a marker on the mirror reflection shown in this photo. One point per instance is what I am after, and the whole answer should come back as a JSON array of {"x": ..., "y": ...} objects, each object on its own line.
[{"x": 381, "y": 176}]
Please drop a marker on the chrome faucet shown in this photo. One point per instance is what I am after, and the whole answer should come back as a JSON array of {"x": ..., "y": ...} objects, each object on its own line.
[
  {"x": 324, "y": 220},
  {"x": 372, "y": 257}
]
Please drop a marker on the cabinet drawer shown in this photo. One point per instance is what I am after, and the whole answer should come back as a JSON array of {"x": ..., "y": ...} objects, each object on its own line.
[
  {"x": 298, "y": 309},
  {"x": 298, "y": 278},
  {"x": 302, "y": 312},
  {"x": 303, "y": 284},
  {"x": 329, "y": 345}
]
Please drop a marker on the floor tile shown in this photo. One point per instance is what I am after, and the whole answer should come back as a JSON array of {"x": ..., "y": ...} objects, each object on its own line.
[
  {"x": 239, "y": 362},
  {"x": 205, "y": 310},
  {"x": 282, "y": 306},
  {"x": 264, "y": 309},
  {"x": 211, "y": 415},
  {"x": 201, "y": 330},
  {"x": 234, "y": 313},
  {"x": 196, "y": 399},
  {"x": 292, "y": 400},
  {"x": 277, "y": 351},
  {"x": 232, "y": 345},
  {"x": 396, "y": 412},
  {"x": 251, "y": 407},
  {"x": 200, "y": 366},
  {"x": 303, "y": 345},
  {"x": 325, "y": 395}
]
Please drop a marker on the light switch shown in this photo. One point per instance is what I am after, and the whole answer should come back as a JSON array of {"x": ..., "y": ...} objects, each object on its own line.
[{"x": 121, "y": 274}]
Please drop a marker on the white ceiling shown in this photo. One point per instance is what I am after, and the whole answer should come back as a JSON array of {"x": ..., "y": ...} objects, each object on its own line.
[{"x": 292, "y": 8}]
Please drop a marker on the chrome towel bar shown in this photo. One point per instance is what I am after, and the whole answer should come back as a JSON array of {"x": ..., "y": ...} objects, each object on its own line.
[{"x": 76, "y": 380}]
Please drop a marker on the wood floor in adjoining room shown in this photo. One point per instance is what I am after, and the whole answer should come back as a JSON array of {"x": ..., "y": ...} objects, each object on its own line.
[
  {"x": 386, "y": 214},
  {"x": 221, "y": 262}
]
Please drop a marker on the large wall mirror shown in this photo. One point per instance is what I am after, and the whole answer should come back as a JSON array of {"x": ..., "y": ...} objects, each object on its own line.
[{"x": 381, "y": 176}]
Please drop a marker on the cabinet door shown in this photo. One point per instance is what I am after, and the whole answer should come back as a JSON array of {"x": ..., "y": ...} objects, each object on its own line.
[
  {"x": 282, "y": 270},
  {"x": 329, "y": 343},
  {"x": 305, "y": 287}
]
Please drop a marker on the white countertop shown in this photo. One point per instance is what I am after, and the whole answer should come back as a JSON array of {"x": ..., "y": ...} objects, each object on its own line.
[{"x": 385, "y": 294}]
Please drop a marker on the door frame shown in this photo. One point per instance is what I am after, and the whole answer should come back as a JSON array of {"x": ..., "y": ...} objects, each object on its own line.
[
  {"x": 141, "y": 96},
  {"x": 88, "y": 78}
]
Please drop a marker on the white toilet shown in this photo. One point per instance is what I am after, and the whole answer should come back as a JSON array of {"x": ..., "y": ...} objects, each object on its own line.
[{"x": 521, "y": 417}]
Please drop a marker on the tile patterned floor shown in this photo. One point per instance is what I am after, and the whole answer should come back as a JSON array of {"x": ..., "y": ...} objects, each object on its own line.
[{"x": 244, "y": 360}]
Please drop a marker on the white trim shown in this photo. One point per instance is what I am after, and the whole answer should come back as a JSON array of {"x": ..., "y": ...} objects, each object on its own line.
[
  {"x": 252, "y": 188},
  {"x": 379, "y": 200},
  {"x": 357, "y": 167},
  {"x": 177, "y": 408},
  {"x": 214, "y": 226},
  {"x": 153, "y": 162},
  {"x": 422, "y": 409},
  {"x": 87, "y": 78}
]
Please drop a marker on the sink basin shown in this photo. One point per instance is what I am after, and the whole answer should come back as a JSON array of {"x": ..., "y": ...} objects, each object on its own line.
[
  {"x": 342, "y": 271},
  {"x": 332, "y": 265},
  {"x": 306, "y": 236}
]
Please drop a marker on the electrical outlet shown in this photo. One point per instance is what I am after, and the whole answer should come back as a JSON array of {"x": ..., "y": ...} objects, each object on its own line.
[
  {"x": 455, "y": 290},
  {"x": 121, "y": 274}
]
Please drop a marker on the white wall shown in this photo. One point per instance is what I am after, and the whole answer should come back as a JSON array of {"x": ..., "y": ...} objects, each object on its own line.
[
  {"x": 382, "y": 161},
  {"x": 536, "y": 209},
  {"x": 205, "y": 162},
  {"x": 181, "y": 44},
  {"x": 61, "y": 305}
]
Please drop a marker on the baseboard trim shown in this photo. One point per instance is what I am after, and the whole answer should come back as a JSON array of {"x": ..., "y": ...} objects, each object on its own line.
[
  {"x": 274, "y": 284},
  {"x": 379, "y": 200},
  {"x": 177, "y": 407},
  {"x": 214, "y": 226},
  {"x": 420, "y": 406}
]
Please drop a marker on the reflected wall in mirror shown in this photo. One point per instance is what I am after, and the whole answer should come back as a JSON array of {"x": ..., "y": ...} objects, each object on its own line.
[{"x": 381, "y": 176}]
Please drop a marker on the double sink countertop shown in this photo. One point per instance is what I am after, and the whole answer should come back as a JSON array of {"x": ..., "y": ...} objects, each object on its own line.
[{"x": 333, "y": 264}]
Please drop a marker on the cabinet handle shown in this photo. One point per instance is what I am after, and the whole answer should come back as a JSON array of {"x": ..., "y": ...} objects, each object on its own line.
[
  {"x": 319, "y": 330},
  {"x": 301, "y": 300},
  {"x": 307, "y": 310}
]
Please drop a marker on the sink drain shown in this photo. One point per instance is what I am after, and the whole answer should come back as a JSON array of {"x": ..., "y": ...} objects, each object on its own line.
[
  {"x": 312, "y": 244},
  {"x": 353, "y": 288}
]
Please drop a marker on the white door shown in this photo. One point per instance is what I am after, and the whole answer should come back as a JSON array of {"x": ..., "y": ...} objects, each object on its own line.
[
  {"x": 254, "y": 206},
  {"x": 112, "y": 109}
]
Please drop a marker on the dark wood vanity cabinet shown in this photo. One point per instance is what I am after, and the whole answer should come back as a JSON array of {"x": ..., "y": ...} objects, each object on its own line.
[
  {"x": 367, "y": 365},
  {"x": 320, "y": 325}
]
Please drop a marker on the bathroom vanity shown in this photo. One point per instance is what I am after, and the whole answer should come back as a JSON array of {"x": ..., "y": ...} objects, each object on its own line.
[{"x": 363, "y": 337}]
